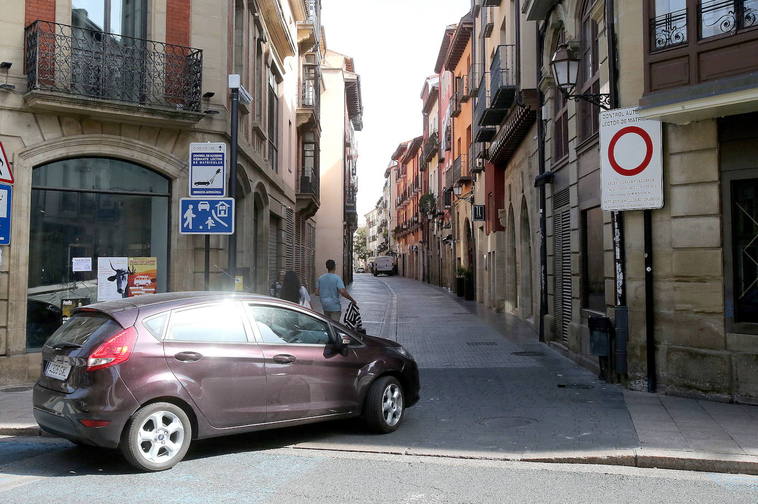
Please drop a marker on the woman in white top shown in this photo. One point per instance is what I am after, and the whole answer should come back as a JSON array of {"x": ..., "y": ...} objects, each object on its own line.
[{"x": 294, "y": 291}]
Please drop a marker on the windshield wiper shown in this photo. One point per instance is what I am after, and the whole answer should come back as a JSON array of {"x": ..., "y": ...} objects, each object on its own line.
[{"x": 62, "y": 346}]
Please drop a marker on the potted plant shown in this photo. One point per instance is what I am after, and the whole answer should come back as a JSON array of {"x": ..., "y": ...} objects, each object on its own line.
[{"x": 460, "y": 281}]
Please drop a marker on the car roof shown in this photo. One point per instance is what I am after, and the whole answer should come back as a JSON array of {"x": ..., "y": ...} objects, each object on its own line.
[{"x": 125, "y": 310}]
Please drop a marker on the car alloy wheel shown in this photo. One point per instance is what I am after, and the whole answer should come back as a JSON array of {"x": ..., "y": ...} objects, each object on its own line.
[
  {"x": 384, "y": 405},
  {"x": 157, "y": 437}
]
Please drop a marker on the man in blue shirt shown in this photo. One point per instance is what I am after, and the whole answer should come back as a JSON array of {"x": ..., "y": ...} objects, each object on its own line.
[{"x": 329, "y": 287}]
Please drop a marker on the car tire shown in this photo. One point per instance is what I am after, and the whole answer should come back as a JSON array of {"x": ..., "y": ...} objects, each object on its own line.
[
  {"x": 384, "y": 407},
  {"x": 157, "y": 437}
]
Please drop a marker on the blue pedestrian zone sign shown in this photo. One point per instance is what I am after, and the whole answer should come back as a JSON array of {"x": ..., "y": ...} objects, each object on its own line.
[
  {"x": 206, "y": 216},
  {"x": 6, "y": 193}
]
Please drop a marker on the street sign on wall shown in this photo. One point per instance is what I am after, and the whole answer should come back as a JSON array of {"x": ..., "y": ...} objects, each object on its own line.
[
  {"x": 478, "y": 211},
  {"x": 631, "y": 153},
  {"x": 6, "y": 194},
  {"x": 206, "y": 216},
  {"x": 207, "y": 169}
]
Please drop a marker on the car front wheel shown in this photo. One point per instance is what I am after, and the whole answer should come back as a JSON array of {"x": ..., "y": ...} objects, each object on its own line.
[
  {"x": 157, "y": 437},
  {"x": 384, "y": 405}
]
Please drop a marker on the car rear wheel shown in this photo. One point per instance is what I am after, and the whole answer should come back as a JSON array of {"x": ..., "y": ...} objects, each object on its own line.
[
  {"x": 384, "y": 405},
  {"x": 157, "y": 437}
]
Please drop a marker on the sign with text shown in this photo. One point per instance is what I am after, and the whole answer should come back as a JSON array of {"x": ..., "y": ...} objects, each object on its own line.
[
  {"x": 631, "y": 153},
  {"x": 206, "y": 216},
  {"x": 478, "y": 211},
  {"x": 6, "y": 195},
  {"x": 207, "y": 169}
]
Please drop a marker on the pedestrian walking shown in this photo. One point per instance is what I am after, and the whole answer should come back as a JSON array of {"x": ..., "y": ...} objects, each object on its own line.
[
  {"x": 329, "y": 288},
  {"x": 293, "y": 290}
]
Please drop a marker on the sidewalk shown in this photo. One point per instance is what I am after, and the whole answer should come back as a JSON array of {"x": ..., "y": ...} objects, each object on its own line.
[{"x": 491, "y": 391}]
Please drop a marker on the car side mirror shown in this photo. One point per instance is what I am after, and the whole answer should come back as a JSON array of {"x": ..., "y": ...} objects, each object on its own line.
[{"x": 343, "y": 342}]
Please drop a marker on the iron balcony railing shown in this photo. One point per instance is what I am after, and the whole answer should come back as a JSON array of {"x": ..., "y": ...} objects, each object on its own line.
[
  {"x": 503, "y": 77},
  {"x": 462, "y": 88},
  {"x": 309, "y": 184},
  {"x": 482, "y": 99},
  {"x": 477, "y": 157},
  {"x": 460, "y": 169},
  {"x": 449, "y": 178},
  {"x": 94, "y": 64},
  {"x": 431, "y": 146}
]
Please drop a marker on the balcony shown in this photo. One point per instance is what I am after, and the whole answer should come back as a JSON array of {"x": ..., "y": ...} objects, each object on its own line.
[
  {"x": 455, "y": 105},
  {"x": 462, "y": 88},
  {"x": 484, "y": 118},
  {"x": 477, "y": 157},
  {"x": 449, "y": 179},
  {"x": 309, "y": 31},
  {"x": 431, "y": 146},
  {"x": 700, "y": 61},
  {"x": 487, "y": 23},
  {"x": 309, "y": 105},
  {"x": 70, "y": 68},
  {"x": 460, "y": 170},
  {"x": 503, "y": 85}
]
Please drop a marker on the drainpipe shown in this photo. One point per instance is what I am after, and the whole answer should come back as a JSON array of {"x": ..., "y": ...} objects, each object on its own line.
[
  {"x": 617, "y": 218},
  {"x": 541, "y": 170}
]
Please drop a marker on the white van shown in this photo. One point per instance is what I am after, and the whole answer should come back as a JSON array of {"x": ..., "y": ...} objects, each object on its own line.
[{"x": 383, "y": 264}]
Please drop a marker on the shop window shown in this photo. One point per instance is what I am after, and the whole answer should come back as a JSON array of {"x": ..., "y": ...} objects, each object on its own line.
[
  {"x": 593, "y": 263},
  {"x": 89, "y": 208}
]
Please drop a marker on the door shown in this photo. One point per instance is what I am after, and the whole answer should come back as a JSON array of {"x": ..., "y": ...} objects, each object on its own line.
[
  {"x": 208, "y": 350},
  {"x": 306, "y": 378}
]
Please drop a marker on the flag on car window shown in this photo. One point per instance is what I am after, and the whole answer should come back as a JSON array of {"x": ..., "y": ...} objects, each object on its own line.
[{"x": 353, "y": 317}]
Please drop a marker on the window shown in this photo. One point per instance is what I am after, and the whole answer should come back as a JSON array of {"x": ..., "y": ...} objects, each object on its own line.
[
  {"x": 282, "y": 326},
  {"x": 593, "y": 270},
  {"x": 155, "y": 325},
  {"x": 90, "y": 208},
  {"x": 560, "y": 115},
  {"x": 219, "y": 323},
  {"x": 744, "y": 204},
  {"x": 720, "y": 17},
  {"x": 273, "y": 124},
  {"x": 589, "y": 81},
  {"x": 669, "y": 25}
]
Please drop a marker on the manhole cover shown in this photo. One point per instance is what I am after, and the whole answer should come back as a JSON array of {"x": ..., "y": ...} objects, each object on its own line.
[
  {"x": 16, "y": 389},
  {"x": 578, "y": 386},
  {"x": 528, "y": 354},
  {"x": 506, "y": 422},
  {"x": 481, "y": 343}
]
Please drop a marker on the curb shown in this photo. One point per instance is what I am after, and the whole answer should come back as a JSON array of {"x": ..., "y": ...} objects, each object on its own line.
[
  {"x": 641, "y": 458},
  {"x": 21, "y": 430}
]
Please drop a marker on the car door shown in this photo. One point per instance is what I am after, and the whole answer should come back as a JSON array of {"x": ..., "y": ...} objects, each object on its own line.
[
  {"x": 306, "y": 376},
  {"x": 221, "y": 368}
]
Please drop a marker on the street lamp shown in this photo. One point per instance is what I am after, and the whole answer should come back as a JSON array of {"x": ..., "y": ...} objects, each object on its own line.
[
  {"x": 457, "y": 189},
  {"x": 565, "y": 67}
]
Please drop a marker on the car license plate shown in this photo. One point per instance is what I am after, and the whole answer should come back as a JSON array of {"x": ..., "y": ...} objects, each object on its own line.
[{"x": 58, "y": 370}]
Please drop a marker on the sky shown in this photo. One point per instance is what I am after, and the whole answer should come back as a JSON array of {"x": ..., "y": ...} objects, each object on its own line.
[{"x": 394, "y": 44}]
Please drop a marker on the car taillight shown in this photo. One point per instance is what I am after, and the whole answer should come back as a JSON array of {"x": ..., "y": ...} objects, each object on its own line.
[{"x": 115, "y": 350}]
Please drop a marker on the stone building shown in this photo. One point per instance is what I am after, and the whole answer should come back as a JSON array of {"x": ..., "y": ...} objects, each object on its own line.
[{"x": 96, "y": 118}]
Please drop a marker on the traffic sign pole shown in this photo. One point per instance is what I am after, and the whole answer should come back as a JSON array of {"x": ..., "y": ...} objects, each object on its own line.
[{"x": 232, "y": 261}]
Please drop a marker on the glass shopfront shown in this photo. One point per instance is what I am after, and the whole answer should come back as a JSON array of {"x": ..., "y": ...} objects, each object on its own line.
[{"x": 87, "y": 208}]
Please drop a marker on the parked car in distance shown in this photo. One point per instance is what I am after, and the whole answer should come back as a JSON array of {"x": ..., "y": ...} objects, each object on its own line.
[
  {"x": 383, "y": 264},
  {"x": 149, "y": 374},
  {"x": 360, "y": 269}
]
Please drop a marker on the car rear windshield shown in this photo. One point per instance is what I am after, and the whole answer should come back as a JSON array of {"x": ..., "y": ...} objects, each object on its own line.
[{"x": 82, "y": 326}]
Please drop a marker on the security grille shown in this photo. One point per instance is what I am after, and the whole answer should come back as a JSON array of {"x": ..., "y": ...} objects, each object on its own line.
[{"x": 274, "y": 250}]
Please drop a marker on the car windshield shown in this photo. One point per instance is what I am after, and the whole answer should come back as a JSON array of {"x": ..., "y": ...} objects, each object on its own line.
[{"x": 81, "y": 327}]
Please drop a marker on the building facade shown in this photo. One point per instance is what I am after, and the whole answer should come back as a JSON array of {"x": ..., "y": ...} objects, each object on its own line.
[
  {"x": 97, "y": 116},
  {"x": 337, "y": 217}
]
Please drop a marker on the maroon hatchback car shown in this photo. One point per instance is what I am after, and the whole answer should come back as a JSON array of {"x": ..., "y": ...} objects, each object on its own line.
[{"x": 149, "y": 374}]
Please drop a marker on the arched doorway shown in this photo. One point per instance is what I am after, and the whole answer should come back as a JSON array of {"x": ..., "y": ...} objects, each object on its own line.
[
  {"x": 89, "y": 209},
  {"x": 526, "y": 262}
]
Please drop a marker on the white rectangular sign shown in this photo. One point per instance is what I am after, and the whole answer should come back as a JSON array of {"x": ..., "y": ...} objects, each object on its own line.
[
  {"x": 81, "y": 264},
  {"x": 631, "y": 153},
  {"x": 207, "y": 169}
]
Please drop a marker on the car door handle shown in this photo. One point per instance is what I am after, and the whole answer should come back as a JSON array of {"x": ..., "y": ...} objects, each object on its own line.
[
  {"x": 284, "y": 358},
  {"x": 188, "y": 356}
]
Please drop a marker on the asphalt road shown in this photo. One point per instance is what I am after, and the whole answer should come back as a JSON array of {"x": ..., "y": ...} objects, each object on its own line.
[
  {"x": 488, "y": 391},
  {"x": 246, "y": 469}
]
